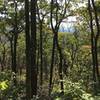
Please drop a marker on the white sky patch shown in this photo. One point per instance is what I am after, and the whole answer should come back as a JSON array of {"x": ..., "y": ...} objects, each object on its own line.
[{"x": 72, "y": 19}]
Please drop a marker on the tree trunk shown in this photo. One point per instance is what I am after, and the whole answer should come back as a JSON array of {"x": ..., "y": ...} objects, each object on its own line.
[
  {"x": 41, "y": 55},
  {"x": 52, "y": 66},
  {"x": 3, "y": 59},
  {"x": 96, "y": 62},
  {"x": 11, "y": 47},
  {"x": 28, "y": 65},
  {"x": 33, "y": 49},
  {"x": 60, "y": 64}
]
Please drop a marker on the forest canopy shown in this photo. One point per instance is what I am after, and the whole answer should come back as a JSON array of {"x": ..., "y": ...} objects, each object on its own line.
[{"x": 49, "y": 49}]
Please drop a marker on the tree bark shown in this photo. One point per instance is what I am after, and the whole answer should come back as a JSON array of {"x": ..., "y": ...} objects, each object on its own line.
[
  {"x": 52, "y": 65},
  {"x": 28, "y": 55},
  {"x": 33, "y": 49},
  {"x": 41, "y": 54}
]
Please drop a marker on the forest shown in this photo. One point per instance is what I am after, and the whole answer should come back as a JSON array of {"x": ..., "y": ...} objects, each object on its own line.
[{"x": 49, "y": 49}]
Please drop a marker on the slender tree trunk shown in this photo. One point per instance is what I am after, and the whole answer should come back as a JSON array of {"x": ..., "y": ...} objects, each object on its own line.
[
  {"x": 55, "y": 29},
  {"x": 92, "y": 42},
  {"x": 33, "y": 49},
  {"x": 15, "y": 44},
  {"x": 28, "y": 55},
  {"x": 14, "y": 56},
  {"x": 41, "y": 55},
  {"x": 96, "y": 39},
  {"x": 11, "y": 47},
  {"x": 38, "y": 55},
  {"x": 55, "y": 43},
  {"x": 53, "y": 50},
  {"x": 96, "y": 62},
  {"x": 93, "y": 46},
  {"x": 60, "y": 65},
  {"x": 3, "y": 59},
  {"x": 52, "y": 66},
  {"x": 15, "y": 38}
]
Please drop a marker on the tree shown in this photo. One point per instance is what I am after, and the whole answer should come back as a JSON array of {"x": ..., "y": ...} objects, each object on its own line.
[
  {"x": 57, "y": 17},
  {"x": 28, "y": 55},
  {"x": 94, "y": 39},
  {"x": 42, "y": 12},
  {"x": 33, "y": 48},
  {"x": 31, "y": 75}
]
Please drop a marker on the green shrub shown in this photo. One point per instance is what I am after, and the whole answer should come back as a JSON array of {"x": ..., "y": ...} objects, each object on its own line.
[
  {"x": 73, "y": 91},
  {"x": 8, "y": 91}
]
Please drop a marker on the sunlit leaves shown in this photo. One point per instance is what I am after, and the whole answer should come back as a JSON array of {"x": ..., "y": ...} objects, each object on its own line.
[{"x": 4, "y": 85}]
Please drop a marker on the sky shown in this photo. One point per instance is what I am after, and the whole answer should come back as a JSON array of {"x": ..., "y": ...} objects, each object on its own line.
[{"x": 68, "y": 24}]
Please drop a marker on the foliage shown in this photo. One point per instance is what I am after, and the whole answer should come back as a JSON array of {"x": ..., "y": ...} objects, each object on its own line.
[
  {"x": 75, "y": 49},
  {"x": 3, "y": 85},
  {"x": 7, "y": 88},
  {"x": 73, "y": 91}
]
